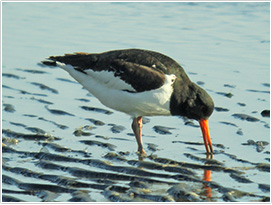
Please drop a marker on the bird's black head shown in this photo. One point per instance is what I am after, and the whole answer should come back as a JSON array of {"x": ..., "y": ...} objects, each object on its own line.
[
  {"x": 192, "y": 102},
  {"x": 189, "y": 100},
  {"x": 199, "y": 105}
]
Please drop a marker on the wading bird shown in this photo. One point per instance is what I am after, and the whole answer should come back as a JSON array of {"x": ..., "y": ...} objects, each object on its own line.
[{"x": 139, "y": 83}]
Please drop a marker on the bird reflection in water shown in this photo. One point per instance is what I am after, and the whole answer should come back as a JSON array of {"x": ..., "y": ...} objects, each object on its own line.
[{"x": 207, "y": 177}]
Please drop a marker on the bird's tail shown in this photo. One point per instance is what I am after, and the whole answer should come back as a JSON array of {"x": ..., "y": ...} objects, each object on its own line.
[{"x": 49, "y": 63}]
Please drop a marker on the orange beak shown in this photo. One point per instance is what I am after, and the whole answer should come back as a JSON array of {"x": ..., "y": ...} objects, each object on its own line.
[{"x": 206, "y": 135}]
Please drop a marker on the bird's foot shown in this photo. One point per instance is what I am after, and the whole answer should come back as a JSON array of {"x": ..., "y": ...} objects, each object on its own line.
[{"x": 141, "y": 152}]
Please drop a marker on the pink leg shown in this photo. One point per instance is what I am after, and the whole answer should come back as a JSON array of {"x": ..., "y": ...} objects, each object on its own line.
[{"x": 137, "y": 129}]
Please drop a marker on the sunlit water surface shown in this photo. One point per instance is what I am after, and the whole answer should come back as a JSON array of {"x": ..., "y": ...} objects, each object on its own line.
[{"x": 224, "y": 47}]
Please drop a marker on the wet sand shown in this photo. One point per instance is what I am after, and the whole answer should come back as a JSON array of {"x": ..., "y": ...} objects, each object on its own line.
[{"x": 60, "y": 144}]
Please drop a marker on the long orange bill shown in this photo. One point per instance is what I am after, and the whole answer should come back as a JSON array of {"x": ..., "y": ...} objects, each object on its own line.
[{"x": 206, "y": 135}]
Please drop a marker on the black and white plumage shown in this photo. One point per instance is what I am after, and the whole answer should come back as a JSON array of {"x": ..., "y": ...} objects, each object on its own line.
[{"x": 139, "y": 83}]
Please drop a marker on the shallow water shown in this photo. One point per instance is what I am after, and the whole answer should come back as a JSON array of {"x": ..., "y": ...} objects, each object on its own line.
[{"x": 60, "y": 144}]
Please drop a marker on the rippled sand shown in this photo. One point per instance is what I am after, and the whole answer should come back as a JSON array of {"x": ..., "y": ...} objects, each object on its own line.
[{"x": 60, "y": 144}]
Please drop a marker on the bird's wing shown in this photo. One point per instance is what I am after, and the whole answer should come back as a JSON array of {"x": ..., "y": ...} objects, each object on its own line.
[{"x": 131, "y": 70}]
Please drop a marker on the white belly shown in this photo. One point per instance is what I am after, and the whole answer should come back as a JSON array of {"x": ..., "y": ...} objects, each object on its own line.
[{"x": 148, "y": 103}]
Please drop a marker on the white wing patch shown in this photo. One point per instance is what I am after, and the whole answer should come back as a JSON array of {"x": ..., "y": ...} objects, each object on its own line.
[
  {"x": 105, "y": 78},
  {"x": 109, "y": 80}
]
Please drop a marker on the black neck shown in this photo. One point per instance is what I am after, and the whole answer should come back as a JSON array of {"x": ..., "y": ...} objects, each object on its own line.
[{"x": 179, "y": 98}]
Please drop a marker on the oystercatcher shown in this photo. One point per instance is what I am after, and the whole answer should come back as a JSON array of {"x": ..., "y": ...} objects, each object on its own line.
[{"x": 140, "y": 83}]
